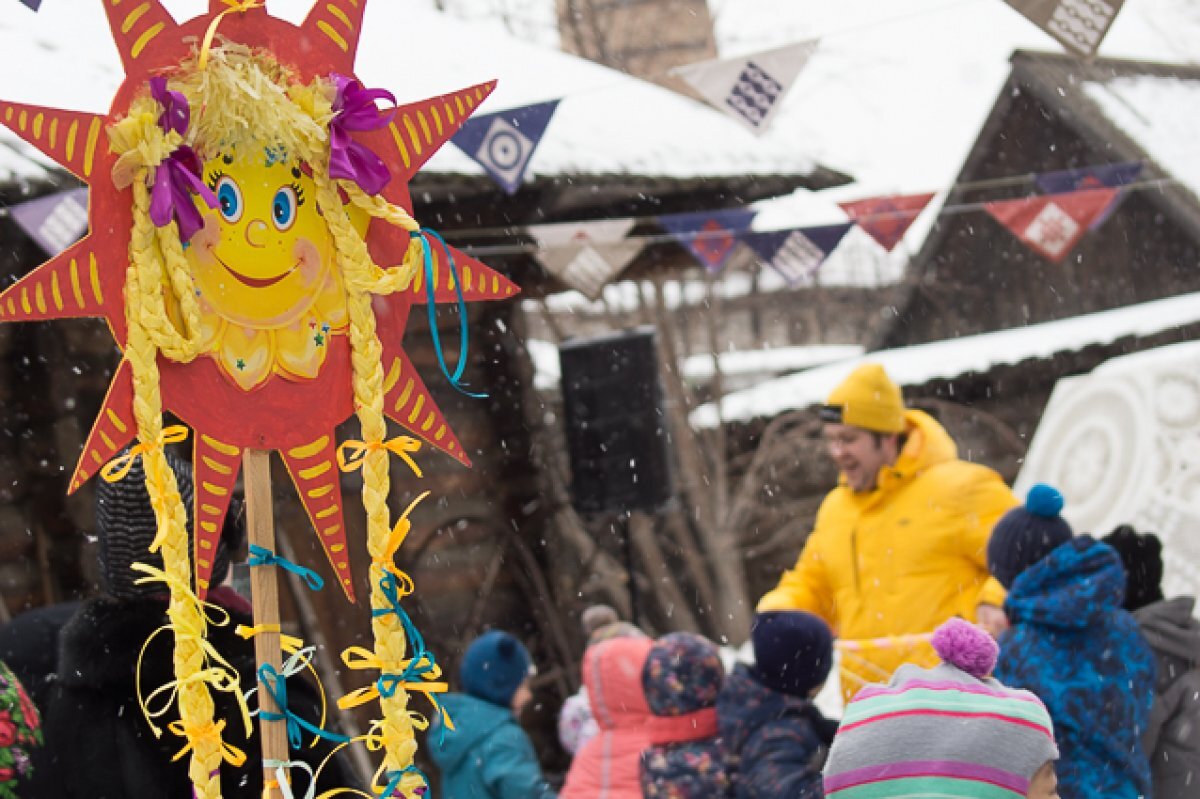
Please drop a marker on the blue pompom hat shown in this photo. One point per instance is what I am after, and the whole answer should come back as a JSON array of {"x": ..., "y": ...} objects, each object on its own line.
[
  {"x": 494, "y": 666},
  {"x": 1026, "y": 534}
]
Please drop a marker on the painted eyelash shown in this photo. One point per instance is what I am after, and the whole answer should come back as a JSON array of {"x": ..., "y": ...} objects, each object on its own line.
[
  {"x": 299, "y": 194},
  {"x": 214, "y": 178}
]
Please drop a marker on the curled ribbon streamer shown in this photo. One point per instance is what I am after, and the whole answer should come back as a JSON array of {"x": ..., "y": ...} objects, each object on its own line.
[
  {"x": 375, "y": 740},
  {"x": 260, "y": 556},
  {"x": 355, "y": 110},
  {"x": 116, "y": 469},
  {"x": 239, "y": 6},
  {"x": 463, "y": 325},
  {"x": 208, "y": 731},
  {"x": 399, "y": 532},
  {"x": 275, "y": 683},
  {"x": 220, "y": 677},
  {"x": 281, "y": 778},
  {"x": 352, "y": 453},
  {"x": 293, "y": 646}
]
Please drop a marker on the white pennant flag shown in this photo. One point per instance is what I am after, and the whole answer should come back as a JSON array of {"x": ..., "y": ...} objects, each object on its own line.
[
  {"x": 749, "y": 88},
  {"x": 1079, "y": 25},
  {"x": 586, "y": 255}
]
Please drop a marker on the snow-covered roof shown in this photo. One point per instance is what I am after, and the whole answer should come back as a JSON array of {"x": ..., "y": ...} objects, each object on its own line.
[
  {"x": 1161, "y": 114},
  {"x": 946, "y": 359},
  {"x": 607, "y": 122}
]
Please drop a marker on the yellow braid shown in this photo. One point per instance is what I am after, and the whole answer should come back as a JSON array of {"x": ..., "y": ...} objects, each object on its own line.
[
  {"x": 143, "y": 299},
  {"x": 361, "y": 275}
]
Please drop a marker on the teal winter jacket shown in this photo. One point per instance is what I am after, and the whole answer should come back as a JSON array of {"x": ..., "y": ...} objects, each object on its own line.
[{"x": 487, "y": 755}]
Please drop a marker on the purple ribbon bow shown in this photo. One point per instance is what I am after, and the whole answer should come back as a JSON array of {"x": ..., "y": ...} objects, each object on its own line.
[
  {"x": 178, "y": 177},
  {"x": 355, "y": 110}
]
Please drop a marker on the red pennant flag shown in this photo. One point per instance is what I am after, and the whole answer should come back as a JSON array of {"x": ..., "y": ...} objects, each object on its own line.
[
  {"x": 1054, "y": 223},
  {"x": 887, "y": 219}
]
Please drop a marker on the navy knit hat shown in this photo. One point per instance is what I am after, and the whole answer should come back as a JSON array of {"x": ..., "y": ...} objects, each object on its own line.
[
  {"x": 1141, "y": 553},
  {"x": 494, "y": 667},
  {"x": 793, "y": 651},
  {"x": 1026, "y": 534}
]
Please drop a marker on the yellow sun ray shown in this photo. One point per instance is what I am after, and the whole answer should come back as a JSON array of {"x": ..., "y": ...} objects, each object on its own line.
[
  {"x": 137, "y": 28},
  {"x": 71, "y": 138},
  {"x": 408, "y": 402}
]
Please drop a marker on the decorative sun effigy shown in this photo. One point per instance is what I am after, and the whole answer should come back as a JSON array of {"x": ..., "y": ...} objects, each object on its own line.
[{"x": 252, "y": 250}]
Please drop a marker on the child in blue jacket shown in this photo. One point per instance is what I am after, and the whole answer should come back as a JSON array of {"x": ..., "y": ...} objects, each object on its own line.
[
  {"x": 765, "y": 712},
  {"x": 1073, "y": 645},
  {"x": 488, "y": 755}
]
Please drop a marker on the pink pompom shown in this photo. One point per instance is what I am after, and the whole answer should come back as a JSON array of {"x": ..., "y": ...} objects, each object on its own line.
[{"x": 970, "y": 648}]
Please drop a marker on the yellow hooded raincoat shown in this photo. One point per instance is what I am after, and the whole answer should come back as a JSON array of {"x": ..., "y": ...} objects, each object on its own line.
[{"x": 901, "y": 559}]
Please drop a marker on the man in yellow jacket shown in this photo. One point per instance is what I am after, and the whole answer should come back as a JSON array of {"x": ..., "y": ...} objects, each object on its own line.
[{"x": 901, "y": 544}]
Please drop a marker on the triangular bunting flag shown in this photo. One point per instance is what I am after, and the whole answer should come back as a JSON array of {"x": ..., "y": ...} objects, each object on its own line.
[
  {"x": 1051, "y": 225},
  {"x": 887, "y": 219},
  {"x": 503, "y": 143},
  {"x": 34, "y": 4},
  {"x": 1078, "y": 25},
  {"x": 749, "y": 88},
  {"x": 55, "y": 222},
  {"x": 1091, "y": 177},
  {"x": 797, "y": 253},
  {"x": 586, "y": 255},
  {"x": 709, "y": 235}
]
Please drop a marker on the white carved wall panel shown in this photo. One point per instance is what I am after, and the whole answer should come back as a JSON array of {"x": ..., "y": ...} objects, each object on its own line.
[{"x": 1123, "y": 445}]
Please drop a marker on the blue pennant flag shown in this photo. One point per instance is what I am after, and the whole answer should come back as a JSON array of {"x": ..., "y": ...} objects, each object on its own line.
[
  {"x": 503, "y": 143},
  {"x": 1105, "y": 176},
  {"x": 797, "y": 253},
  {"x": 34, "y": 4},
  {"x": 710, "y": 236}
]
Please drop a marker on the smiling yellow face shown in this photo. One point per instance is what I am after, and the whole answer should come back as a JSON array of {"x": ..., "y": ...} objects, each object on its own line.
[
  {"x": 264, "y": 265},
  {"x": 264, "y": 253}
]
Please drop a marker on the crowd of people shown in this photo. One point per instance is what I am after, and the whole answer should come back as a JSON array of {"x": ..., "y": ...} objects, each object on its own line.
[{"x": 987, "y": 651}]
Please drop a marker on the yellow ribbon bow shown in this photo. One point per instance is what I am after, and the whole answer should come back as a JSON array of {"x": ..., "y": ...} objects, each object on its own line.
[
  {"x": 359, "y": 658},
  {"x": 239, "y": 6},
  {"x": 118, "y": 467},
  {"x": 352, "y": 453},
  {"x": 208, "y": 731}
]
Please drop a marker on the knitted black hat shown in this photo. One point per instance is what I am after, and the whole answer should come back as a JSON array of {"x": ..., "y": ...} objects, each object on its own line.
[
  {"x": 126, "y": 526},
  {"x": 793, "y": 651},
  {"x": 1026, "y": 534},
  {"x": 1142, "y": 555}
]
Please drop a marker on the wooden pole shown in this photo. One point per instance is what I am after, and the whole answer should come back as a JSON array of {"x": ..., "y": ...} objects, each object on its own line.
[{"x": 264, "y": 592}]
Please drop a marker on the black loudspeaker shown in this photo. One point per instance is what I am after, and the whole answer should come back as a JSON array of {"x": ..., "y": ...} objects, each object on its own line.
[{"x": 615, "y": 424}]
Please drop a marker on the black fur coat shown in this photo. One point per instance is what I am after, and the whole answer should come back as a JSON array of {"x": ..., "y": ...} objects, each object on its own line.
[{"x": 98, "y": 745}]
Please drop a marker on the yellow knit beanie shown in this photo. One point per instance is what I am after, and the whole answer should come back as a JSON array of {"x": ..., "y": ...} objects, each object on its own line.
[{"x": 868, "y": 399}]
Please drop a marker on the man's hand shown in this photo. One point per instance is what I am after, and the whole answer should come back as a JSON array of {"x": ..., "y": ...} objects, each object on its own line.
[{"x": 992, "y": 619}]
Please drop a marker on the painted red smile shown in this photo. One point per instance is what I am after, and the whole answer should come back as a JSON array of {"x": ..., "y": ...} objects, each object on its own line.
[{"x": 253, "y": 282}]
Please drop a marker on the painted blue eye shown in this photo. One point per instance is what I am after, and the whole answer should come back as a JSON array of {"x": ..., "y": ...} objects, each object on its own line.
[
  {"x": 283, "y": 208},
  {"x": 229, "y": 199}
]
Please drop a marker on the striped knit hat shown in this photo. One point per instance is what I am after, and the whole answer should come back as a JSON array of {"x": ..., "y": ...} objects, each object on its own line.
[
  {"x": 126, "y": 526},
  {"x": 947, "y": 731}
]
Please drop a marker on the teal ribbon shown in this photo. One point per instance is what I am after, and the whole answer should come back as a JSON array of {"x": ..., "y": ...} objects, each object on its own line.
[
  {"x": 394, "y": 777},
  {"x": 422, "y": 661},
  {"x": 431, "y": 306},
  {"x": 275, "y": 684},
  {"x": 265, "y": 557}
]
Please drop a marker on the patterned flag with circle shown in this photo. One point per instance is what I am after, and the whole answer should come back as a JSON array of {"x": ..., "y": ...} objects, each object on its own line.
[
  {"x": 54, "y": 222},
  {"x": 586, "y": 255},
  {"x": 1078, "y": 25},
  {"x": 503, "y": 143},
  {"x": 887, "y": 219},
  {"x": 1052, "y": 224},
  {"x": 710, "y": 236},
  {"x": 1091, "y": 177},
  {"x": 749, "y": 88},
  {"x": 797, "y": 253}
]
